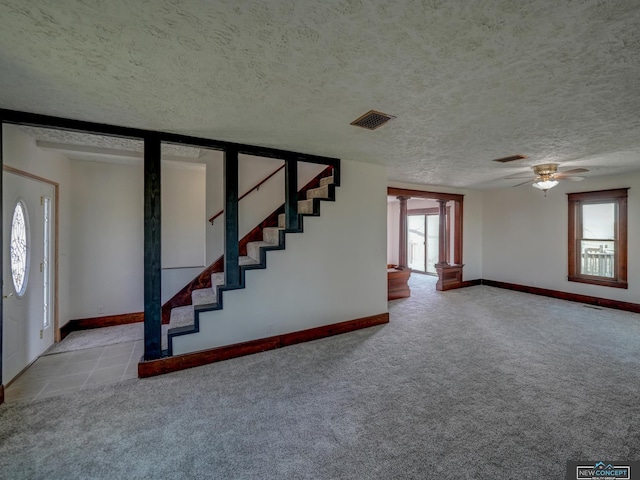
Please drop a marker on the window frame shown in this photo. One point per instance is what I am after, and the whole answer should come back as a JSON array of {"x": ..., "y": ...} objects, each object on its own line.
[{"x": 617, "y": 196}]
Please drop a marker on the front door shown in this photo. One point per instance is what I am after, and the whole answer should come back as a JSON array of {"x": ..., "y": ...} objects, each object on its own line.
[{"x": 28, "y": 328}]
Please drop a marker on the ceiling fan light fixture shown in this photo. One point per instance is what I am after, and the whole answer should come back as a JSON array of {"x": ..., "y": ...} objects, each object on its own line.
[{"x": 545, "y": 185}]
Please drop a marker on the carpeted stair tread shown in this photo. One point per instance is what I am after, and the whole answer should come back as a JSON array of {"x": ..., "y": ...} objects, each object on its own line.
[
  {"x": 181, "y": 316},
  {"x": 246, "y": 260},
  {"x": 321, "y": 192},
  {"x": 305, "y": 206},
  {"x": 326, "y": 181},
  {"x": 272, "y": 235},
  {"x": 253, "y": 249},
  {"x": 203, "y": 296}
]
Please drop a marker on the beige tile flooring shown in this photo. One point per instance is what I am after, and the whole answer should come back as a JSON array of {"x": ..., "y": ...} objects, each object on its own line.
[{"x": 69, "y": 372}]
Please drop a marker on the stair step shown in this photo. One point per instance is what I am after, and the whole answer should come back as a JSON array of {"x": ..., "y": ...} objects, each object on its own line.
[
  {"x": 326, "y": 181},
  {"x": 321, "y": 192},
  {"x": 305, "y": 206},
  {"x": 253, "y": 249},
  {"x": 203, "y": 296},
  {"x": 217, "y": 279},
  {"x": 246, "y": 260},
  {"x": 181, "y": 316},
  {"x": 272, "y": 235}
]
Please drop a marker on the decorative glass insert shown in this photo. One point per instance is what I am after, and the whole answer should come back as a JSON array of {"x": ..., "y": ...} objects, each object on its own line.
[
  {"x": 45, "y": 262},
  {"x": 19, "y": 249}
]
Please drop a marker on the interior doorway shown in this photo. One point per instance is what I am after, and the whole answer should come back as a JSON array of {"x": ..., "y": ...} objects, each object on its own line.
[
  {"x": 423, "y": 238},
  {"x": 29, "y": 269}
]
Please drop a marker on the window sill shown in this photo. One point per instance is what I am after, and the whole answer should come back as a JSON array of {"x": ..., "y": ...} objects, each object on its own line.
[{"x": 603, "y": 282}]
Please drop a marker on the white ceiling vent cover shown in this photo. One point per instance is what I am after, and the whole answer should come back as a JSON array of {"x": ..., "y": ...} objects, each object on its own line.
[{"x": 372, "y": 120}]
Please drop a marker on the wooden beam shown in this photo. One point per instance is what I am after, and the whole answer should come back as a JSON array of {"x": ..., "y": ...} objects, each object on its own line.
[
  {"x": 403, "y": 230},
  {"x": 442, "y": 233},
  {"x": 152, "y": 250},
  {"x": 292, "y": 223},
  {"x": 231, "y": 248}
]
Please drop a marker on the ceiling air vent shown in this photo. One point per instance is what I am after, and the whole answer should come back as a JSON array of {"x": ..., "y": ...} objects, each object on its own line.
[
  {"x": 372, "y": 120},
  {"x": 512, "y": 158}
]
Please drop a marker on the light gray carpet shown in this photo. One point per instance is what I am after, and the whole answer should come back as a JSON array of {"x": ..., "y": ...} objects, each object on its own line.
[
  {"x": 475, "y": 383},
  {"x": 98, "y": 337}
]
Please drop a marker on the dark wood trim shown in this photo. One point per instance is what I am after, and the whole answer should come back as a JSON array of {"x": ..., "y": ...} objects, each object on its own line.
[
  {"x": 458, "y": 213},
  {"x": 449, "y": 276},
  {"x": 99, "y": 322},
  {"x": 397, "y": 284},
  {"x": 255, "y": 187},
  {"x": 231, "y": 250},
  {"x": 189, "y": 360},
  {"x": 598, "y": 195},
  {"x": 403, "y": 231},
  {"x": 152, "y": 249},
  {"x": 38, "y": 120},
  {"x": 291, "y": 218},
  {"x": 457, "y": 234},
  {"x": 1, "y": 394},
  {"x": 572, "y": 297},
  {"x": 576, "y": 201},
  {"x": 404, "y": 192},
  {"x": 467, "y": 283}
]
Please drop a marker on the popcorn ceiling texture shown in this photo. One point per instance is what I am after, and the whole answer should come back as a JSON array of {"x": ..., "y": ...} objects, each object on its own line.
[{"x": 557, "y": 80}]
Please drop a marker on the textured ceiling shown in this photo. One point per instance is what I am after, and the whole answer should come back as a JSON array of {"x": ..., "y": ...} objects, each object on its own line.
[{"x": 469, "y": 81}]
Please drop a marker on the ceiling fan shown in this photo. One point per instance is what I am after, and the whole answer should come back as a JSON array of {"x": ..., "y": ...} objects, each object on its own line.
[{"x": 546, "y": 176}]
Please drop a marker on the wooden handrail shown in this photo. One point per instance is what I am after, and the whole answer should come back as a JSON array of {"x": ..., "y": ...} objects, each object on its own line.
[{"x": 255, "y": 187}]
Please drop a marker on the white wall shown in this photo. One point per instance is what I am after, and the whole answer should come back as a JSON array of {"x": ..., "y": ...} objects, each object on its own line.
[
  {"x": 525, "y": 236},
  {"x": 20, "y": 151},
  {"x": 471, "y": 225},
  {"x": 107, "y": 262},
  {"x": 184, "y": 214},
  {"x": 334, "y": 271}
]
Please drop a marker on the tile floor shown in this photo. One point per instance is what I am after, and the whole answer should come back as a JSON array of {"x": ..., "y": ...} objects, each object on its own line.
[{"x": 72, "y": 371}]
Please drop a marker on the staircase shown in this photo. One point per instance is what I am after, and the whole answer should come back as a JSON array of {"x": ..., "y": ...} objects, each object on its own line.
[{"x": 184, "y": 320}]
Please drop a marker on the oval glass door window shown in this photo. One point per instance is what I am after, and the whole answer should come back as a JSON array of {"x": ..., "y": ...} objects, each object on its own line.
[{"x": 19, "y": 248}]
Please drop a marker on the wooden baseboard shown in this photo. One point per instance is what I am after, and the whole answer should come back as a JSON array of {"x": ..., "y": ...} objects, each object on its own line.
[
  {"x": 572, "y": 297},
  {"x": 161, "y": 366},
  {"x": 466, "y": 283},
  {"x": 99, "y": 322},
  {"x": 1, "y": 394}
]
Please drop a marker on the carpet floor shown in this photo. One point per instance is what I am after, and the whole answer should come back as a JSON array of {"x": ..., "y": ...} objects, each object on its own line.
[{"x": 475, "y": 383}]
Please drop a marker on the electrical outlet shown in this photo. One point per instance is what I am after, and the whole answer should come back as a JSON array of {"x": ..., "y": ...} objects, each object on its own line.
[{"x": 41, "y": 334}]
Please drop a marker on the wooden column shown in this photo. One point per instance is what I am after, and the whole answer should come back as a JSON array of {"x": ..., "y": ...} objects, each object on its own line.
[
  {"x": 231, "y": 247},
  {"x": 442, "y": 233},
  {"x": 152, "y": 250},
  {"x": 291, "y": 195},
  {"x": 403, "y": 231}
]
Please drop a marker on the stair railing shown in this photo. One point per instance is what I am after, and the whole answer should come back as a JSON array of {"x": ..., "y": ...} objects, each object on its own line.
[{"x": 255, "y": 187}]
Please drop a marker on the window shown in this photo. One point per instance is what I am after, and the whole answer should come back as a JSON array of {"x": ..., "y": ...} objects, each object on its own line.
[
  {"x": 19, "y": 248},
  {"x": 598, "y": 237}
]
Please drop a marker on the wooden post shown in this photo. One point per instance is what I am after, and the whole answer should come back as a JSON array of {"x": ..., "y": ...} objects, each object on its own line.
[
  {"x": 442, "y": 233},
  {"x": 231, "y": 247},
  {"x": 291, "y": 195},
  {"x": 403, "y": 231},
  {"x": 152, "y": 250}
]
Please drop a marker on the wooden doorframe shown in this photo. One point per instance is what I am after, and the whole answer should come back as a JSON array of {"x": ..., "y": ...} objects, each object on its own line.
[
  {"x": 56, "y": 237},
  {"x": 456, "y": 198}
]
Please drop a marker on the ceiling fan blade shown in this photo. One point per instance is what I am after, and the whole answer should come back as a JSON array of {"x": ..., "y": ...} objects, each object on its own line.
[
  {"x": 574, "y": 170},
  {"x": 528, "y": 181},
  {"x": 567, "y": 177},
  {"x": 518, "y": 175}
]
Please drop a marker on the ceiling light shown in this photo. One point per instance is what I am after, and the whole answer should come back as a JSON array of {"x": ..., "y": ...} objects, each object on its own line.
[{"x": 545, "y": 185}]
